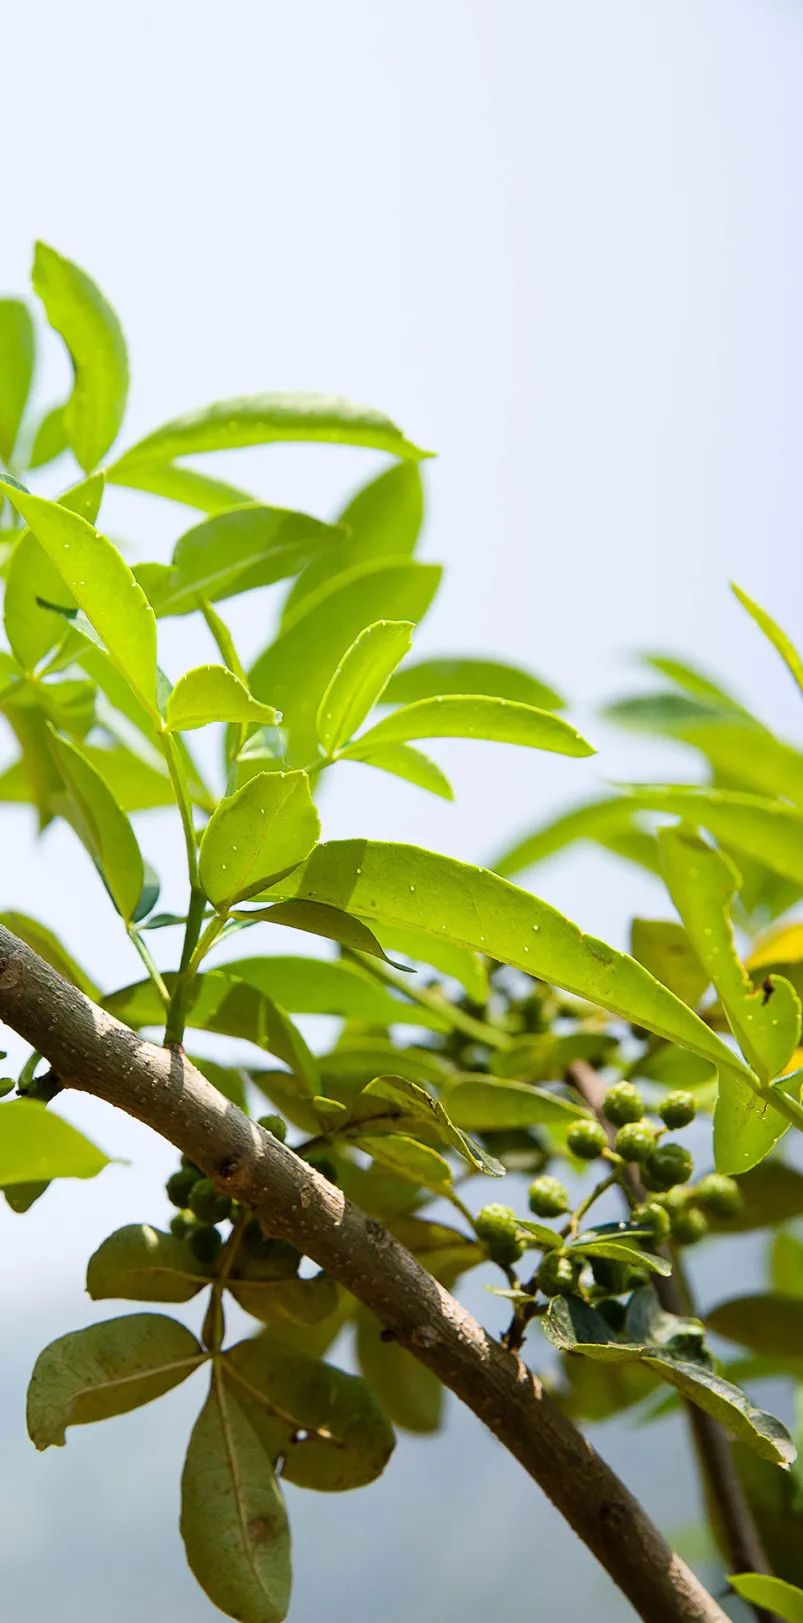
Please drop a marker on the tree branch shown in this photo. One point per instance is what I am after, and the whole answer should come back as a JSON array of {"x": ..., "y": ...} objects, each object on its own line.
[{"x": 93, "y": 1052}]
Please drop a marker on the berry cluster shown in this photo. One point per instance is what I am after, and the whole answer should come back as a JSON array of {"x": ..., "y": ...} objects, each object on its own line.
[{"x": 201, "y": 1209}]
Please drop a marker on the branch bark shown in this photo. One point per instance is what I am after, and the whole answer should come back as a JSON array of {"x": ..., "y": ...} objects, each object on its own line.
[{"x": 91, "y": 1051}]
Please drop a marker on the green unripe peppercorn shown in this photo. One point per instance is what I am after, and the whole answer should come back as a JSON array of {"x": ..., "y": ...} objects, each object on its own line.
[
  {"x": 557, "y": 1275},
  {"x": 180, "y": 1185},
  {"x": 275, "y": 1125},
  {"x": 548, "y": 1197},
  {"x": 668, "y": 1165},
  {"x": 635, "y": 1141},
  {"x": 677, "y": 1109},
  {"x": 586, "y": 1140},
  {"x": 206, "y": 1204},
  {"x": 205, "y": 1243},
  {"x": 689, "y": 1225},
  {"x": 181, "y": 1224},
  {"x": 497, "y": 1227},
  {"x": 653, "y": 1217},
  {"x": 623, "y": 1103},
  {"x": 718, "y": 1195}
]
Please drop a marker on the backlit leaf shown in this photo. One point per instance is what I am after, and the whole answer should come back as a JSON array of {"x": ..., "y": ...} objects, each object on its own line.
[
  {"x": 36, "y": 1144},
  {"x": 17, "y": 356},
  {"x": 427, "y": 678},
  {"x": 294, "y": 671},
  {"x": 212, "y": 693},
  {"x": 102, "y": 827},
  {"x": 781, "y": 1600},
  {"x": 360, "y": 680},
  {"x": 703, "y": 883},
  {"x": 504, "y": 721},
  {"x": 102, "y": 585},
  {"x": 784, "y": 646},
  {"x": 77, "y": 310},
  {"x": 402, "y": 761},
  {"x": 262, "y": 830},
  {"x": 402, "y": 885},
  {"x": 235, "y": 551},
  {"x": 409, "y": 1392},
  {"x": 383, "y": 520}
]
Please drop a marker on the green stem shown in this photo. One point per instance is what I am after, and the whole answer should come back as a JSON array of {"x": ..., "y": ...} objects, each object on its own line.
[
  {"x": 182, "y": 986},
  {"x": 214, "y": 1325},
  {"x": 153, "y": 971},
  {"x": 579, "y": 1212},
  {"x": 179, "y": 782},
  {"x": 206, "y": 943},
  {"x": 428, "y": 998}
]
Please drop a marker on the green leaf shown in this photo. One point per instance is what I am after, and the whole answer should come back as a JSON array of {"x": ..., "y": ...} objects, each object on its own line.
[
  {"x": 141, "y": 1264},
  {"x": 760, "y": 828},
  {"x": 383, "y": 520},
  {"x": 102, "y": 585},
  {"x": 32, "y": 581},
  {"x": 235, "y": 551},
  {"x": 694, "y": 681},
  {"x": 503, "y": 721},
  {"x": 268, "y": 418},
  {"x": 102, "y": 827},
  {"x": 346, "y": 1439},
  {"x": 574, "y": 1327},
  {"x": 183, "y": 485},
  {"x": 50, "y": 439},
  {"x": 258, "y": 833},
  {"x": 730, "y": 1406},
  {"x": 320, "y": 986},
  {"x": 410, "y": 1393},
  {"x": 402, "y": 885},
  {"x": 764, "y": 1321},
  {"x": 294, "y": 671},
  {"x": 212, "y": 693},
  {"x": 703, "y": 883},
  {"x": 360, "y": 680},
  {"x": 279, "y": 1301},
  {"x": 107, "y": 1369},
  {"x": 233, "y": 1520},
  {"x": 603, "y": 822},
  {"x": 780, "y": 1599},
  {"x": 402, "y": 761},
  {"x": 428, "y": 678},
  {"x": 488, "y": 1106},
  {"x": 17, "y": 359},
  {"x": 786, "y": 1264},
  {"x": 36, "y": 1145},
  {"x": 455, "y": 962},
  {"x": 77, "y": 310},
  {"x": 664, "y": 948},
  {"x": 771, "y": 630},
  {"x": 619, "y": 1251},
  {"x": 316, "y": 918},
  {"x": 47, "y": 945},
  {"x": 403, "y": 1156},
  {"x": 411, "y": 1101}
]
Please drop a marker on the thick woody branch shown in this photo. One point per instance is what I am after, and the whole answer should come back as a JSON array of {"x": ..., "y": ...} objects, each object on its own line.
[{"x": 91, "y": 1051}]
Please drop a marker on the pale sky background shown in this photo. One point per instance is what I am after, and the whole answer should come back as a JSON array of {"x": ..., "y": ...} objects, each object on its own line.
[{"x": 560, "y": 244}]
